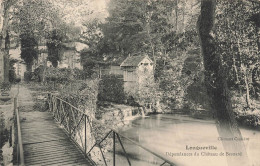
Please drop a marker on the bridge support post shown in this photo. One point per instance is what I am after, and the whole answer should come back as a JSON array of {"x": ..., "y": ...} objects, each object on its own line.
[
  {"x": 85, "y": 134},
  {"x": 114, "y": 148}
]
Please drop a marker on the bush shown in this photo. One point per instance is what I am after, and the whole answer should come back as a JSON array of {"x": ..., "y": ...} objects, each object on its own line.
[
  {"x": 62, "y": 75},
  {"x": 58, "y": 75},
  {"x": 28, "y": 76},
  {"x": 83, "y": 95},
  {"x": 39, "y": 73},
  {"x": 12, "y": 76},
  {"x": 249, "y": 120},
  {"x": 17, "y": 80},
  {"x": 5, "y": 86},
  {"x": 111, "y": 88}
]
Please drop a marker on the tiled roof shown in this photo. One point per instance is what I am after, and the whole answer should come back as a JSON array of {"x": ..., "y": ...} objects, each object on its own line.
[{"x": 133, "y": 60}]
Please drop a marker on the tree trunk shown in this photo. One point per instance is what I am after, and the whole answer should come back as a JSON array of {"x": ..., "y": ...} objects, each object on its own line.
[
  {"x": 2, "y": 65},
  {"x": 258, "y": 37},
  {"x": 44, "y": 71},
  {"x": 256, "y": 81},
  {"x": 183, "y": 17},
  {"x": 4, "y": 36},
  {"x": 4, "y": 16},
  {"x": 235, "y": 70},
  {"x": 29, "y": 67},
  {"x": 248, "y": 103},
  {"x": 233, "y": 56},
  {"x": 216, "y": 84},
  {"x": 244, "y": 69},
  {"x": 54, "y": 64},
  {"x": 7, "y": 57},
  {"x": 148, "y": 29},
  {"x": 176, "y": 16}
]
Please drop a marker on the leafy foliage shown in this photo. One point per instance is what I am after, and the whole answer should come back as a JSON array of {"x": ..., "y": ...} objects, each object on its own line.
[
  {"x": 34, "y": 16},
  {"x": 237, "y": 39},
  {"x": 12, "y": 75},
  {"x": 133, "y": 26},
  {"x": 54, "y": 46},
  {"x": 29, "y": 51},
  {"x": 111, "y": 88},
  {"x": 59, "y": 75},
  {"x": 150, "y": 27},
  {"x": 83, "y": 94}
]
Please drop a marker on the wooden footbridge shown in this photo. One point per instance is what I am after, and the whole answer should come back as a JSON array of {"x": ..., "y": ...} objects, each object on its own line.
[
  {"x": 62, "y": 136},
  {"x": 44, "y": 142}
]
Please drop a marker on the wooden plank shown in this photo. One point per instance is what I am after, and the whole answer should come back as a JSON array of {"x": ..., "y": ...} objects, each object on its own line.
[
  {"x": 42, "y": 130},
  {"x": 34, "y": 140},
  {"x": 76, "y": 163},
  {"x": 53, "y": 156},
  {"x": 71, "y": 164},
  {"x": 49, "y": 148},
  {"x": 57, "y": 160},
  {"x": 50, "y": 143},
  {"x": 44, "y": 137},
  {"x": 47, "y": 133},
  {"x": 49, "y": 155},
  {"x": 45, "y": 143}
]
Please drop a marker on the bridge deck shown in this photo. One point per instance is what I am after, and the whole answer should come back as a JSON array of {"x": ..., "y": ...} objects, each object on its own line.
[{"x": 44, "y": 142}]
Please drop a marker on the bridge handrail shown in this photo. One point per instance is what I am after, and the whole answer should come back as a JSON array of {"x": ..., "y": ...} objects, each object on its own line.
[
  {"x": 20, "y": 154},
  {"x": 115, "y": 132}
]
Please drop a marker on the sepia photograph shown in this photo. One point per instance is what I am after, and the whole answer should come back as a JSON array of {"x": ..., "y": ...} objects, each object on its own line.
[{"x": 130, "y": 82}]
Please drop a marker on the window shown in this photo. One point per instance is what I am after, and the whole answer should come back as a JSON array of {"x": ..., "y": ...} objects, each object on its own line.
[{"x": 145, "y": 64}]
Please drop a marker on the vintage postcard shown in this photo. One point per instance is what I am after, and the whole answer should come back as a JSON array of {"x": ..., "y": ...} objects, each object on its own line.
[{"x": 130, "y": 82}]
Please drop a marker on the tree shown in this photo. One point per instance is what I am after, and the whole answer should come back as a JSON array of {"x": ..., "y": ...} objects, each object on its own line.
[
  {"x": 216, "y": 84},
  {"x": 137, "y": 26},
  {"x": 36, "y": 21},
  {"x": 31, "y": 22},
  {"x": 92, "y": 36},
  {"x": 255, "y": 19},
  {"x": 149, "y": 27},
  {"x": 54, "y": 46},
  {"x": 237, "y": 36},
  {"x": 29, "y": 50},
  {"x": 5, "y": 6}
]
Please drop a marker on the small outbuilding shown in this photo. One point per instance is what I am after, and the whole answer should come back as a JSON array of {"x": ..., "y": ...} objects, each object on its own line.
[{"x": 137, "y": 70}]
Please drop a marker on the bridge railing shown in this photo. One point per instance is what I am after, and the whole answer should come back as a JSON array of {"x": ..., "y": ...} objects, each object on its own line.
[
  {"x": 18, "y": 140},
  {"x": 81, "y": 129}
]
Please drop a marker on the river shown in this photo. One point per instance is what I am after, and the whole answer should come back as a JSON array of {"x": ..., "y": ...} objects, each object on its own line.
[{"x": 168, "y": 134}]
